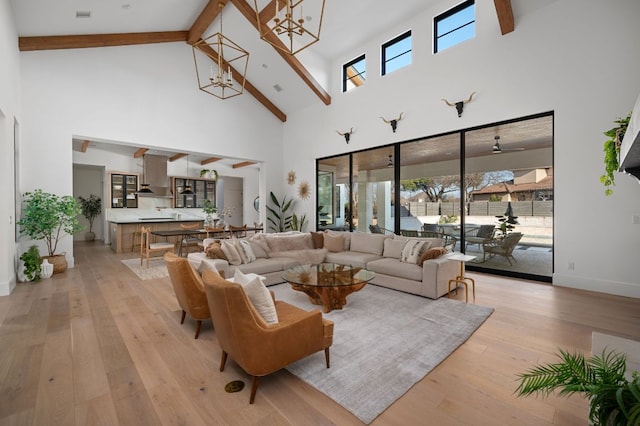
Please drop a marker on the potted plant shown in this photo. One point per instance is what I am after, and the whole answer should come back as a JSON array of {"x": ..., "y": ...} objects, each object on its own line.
[
  {"x": 91, "y": 207},
  {"x": 613, "y": 400},
  {"x": 48, "y": 217},
  {"x": 32, "y": 262},
  {"x": 209, "y": 209},
  {"x": 211, "y": 174},
  {"x": 612, "y": 152}
]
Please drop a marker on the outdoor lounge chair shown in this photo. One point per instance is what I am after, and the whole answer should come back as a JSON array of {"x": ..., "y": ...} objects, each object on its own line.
[{"x": 503, "y": 246}]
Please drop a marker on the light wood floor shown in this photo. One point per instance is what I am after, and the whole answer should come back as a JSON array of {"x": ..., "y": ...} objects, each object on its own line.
[{"x": 96, "y": 345}]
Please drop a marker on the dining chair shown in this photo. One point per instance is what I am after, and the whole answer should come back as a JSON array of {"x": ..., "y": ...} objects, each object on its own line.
[
  {"x": 238, "y": 231},
  {"x": 189, "y": 241},
  {"x": 147, "y": 247}
]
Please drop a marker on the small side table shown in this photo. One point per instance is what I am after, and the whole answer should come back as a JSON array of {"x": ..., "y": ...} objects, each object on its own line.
[{"x": 461, "y": 279}]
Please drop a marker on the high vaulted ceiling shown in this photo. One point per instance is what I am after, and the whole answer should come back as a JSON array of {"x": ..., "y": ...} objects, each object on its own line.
[{"x": 46, "y": 24}]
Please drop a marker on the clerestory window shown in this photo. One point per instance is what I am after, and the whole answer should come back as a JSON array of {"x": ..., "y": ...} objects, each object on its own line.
[
  {"x": 353, "y": 73},
  {"x": 454, "y": 26},
  {"x": 396, "y": 53}
]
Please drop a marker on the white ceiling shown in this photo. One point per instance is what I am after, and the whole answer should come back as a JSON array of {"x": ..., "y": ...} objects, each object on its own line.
[{"x": 346, "y": 25}]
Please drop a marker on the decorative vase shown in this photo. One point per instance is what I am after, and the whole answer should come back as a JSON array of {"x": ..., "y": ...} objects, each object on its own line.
[
  {"x": 46, "y": 269},
  {"x": 90, "y": 236},
  {"x": 59, "y": 262},
  {"x": 208, "y": 220}
]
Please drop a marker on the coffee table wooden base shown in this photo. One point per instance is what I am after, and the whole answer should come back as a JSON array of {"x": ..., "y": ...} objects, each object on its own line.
[{"x": 329, "y": 297}]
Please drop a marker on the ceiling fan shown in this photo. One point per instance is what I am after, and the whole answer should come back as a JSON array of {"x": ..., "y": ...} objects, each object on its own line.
[{"x": 497, "y": 148}]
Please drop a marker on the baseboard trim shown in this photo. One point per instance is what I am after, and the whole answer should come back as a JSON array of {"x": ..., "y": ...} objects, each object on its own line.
[{"x": 610, "y": 287}]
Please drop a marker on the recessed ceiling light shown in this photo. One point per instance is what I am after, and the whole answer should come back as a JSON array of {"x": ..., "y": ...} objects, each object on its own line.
[
  {"x": 83, "y": 14},
  {"x": 126, "y": 6},
  {"x": 265, "y": 66},
  {"x": 278, "y": 88}
]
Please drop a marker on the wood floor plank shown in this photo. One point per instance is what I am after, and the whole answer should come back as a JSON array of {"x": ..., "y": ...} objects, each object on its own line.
[{"x": 117, "y": 353}]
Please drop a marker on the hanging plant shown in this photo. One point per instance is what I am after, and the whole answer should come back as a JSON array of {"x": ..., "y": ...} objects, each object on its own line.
[{"x": 612, "y": 152}]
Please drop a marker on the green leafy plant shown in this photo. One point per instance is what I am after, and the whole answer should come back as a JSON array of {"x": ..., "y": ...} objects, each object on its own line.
[
  {"x": 279, "y": 220},
  {"x": 613, "y": 399},
  {"x": 48, "y": 217},
  {"x": 612, "y": 152},
  {"x": 32, "y": 262},
  {"x": 298, "y": 222},
  {"x": 208, "y": 207},
  {"x": 448, "y": 219},
  {"x": 212, "y": 174},
  {"x": 91, "y": 207}
]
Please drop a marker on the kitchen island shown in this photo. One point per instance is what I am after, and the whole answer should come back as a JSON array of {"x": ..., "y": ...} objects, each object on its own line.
[{"x": 123, "y": 232}]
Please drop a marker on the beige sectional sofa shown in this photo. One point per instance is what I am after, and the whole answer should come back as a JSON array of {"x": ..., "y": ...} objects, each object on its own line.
[{"x": 379, "y": 253}]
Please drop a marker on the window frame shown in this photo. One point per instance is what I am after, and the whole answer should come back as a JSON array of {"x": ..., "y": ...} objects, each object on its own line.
[
  {"x": 447, "y": 14},
  {"x": 391, "y": 43},
  {"x": 346, "y": 78}
]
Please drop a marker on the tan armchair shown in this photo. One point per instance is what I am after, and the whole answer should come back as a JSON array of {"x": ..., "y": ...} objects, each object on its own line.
[
  {"x": 189, "y": 289},
  {"x": 257, "y": 347}
]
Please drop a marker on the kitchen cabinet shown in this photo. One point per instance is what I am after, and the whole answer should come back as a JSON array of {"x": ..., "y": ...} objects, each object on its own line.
[
  {"x": 204, "y": 189},
  {"x": 124, "y": 191}
]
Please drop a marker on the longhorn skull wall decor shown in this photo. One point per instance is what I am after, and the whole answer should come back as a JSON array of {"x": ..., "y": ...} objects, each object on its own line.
[
  {"x": 347, "y": 135},
  {"x": 460, "y": 104},
  {"x": 394, "y": 122}
]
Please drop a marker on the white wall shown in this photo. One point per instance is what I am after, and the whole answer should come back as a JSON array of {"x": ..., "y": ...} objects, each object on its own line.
[
  {"x": 584, "y": 69},
  {"x": 9, "y": 111},
  {"x": 136, "y": 94}
]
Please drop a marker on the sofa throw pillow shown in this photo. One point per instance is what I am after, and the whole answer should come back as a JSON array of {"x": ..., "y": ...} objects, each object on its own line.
[
  {"x": 231, "y": 253},
  {"x": 214, "y": 251},
  {"x": 334, "y": 243},
  {"x": 258, "y": 294},
  {"x": 318, "y": 240},
  {"x": 393, "y": 247},
  {"x": 260, "y": 249},
  {"x": 413, "y": 250},
  {"x": 367, "y": 243},
  {"x": 431, "y": 253},
  {"x": 345, "y": 235},
  {"x": 245, "y": 250}
]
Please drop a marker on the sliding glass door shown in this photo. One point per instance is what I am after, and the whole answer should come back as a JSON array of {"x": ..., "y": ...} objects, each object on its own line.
[{"x": 488, "y": 191}]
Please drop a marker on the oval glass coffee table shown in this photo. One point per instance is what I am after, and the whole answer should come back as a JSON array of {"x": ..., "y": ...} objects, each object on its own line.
[{"x": 328, "y": 284}]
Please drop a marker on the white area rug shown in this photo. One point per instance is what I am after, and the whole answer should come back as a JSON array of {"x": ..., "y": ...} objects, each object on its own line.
[
  {"x": 384, "y": 341},
  {"x": 157, "y": 268}
]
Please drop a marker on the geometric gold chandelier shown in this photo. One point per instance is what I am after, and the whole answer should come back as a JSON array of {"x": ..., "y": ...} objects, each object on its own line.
[
  {"x": 217, "y": 59},
  {"x": 289, "y": 25}
]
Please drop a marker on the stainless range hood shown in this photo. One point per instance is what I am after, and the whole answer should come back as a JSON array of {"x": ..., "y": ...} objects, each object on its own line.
[{"x": 155, "y": 174}]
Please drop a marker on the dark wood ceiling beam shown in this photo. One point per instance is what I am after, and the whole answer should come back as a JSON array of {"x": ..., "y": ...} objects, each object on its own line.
[
  {"x": 140, "y": 152},
  {"x": 250, "y": 14},
  {"x": 207, "y": 16},
  {"x": 210, "y": 160},
  {"x": 238, "y": 76},
  {"x": 98, "y": 40},
  {"x": 505, "y": 15},
  {"x": 177, "y": 156}
]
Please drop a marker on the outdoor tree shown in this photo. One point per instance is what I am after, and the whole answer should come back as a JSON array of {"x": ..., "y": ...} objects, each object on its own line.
[{"x": 437, "y": 188}]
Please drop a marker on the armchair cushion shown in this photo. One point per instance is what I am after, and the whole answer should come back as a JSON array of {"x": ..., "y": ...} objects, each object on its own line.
[{"x": 258, "y": 294}]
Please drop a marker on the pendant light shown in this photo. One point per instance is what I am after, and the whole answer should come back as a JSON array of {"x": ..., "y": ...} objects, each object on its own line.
[
  {"x": 187, "y": 190},
  {"x": 144, "y": 187}
]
